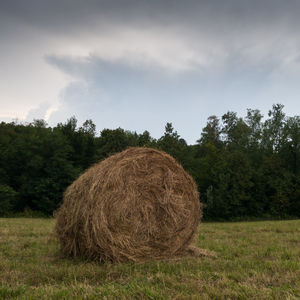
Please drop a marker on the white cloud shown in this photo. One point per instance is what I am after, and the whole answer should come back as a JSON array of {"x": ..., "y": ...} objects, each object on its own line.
[{"x": 26, "y": 80}]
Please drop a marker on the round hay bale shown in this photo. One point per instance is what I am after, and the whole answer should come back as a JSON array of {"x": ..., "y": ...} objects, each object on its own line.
[{"x": 135, "y": 205}]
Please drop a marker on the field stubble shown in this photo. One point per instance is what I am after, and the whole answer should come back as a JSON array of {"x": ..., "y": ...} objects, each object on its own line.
[{"x": 255, "y": 260}]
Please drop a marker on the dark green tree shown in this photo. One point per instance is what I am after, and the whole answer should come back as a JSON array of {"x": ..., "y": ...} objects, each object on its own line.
[
  {"x": 171, "y": 143},
  {"x": 8, "y": 200}
]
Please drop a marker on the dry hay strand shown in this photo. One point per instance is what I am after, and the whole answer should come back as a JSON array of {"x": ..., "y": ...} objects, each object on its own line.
[{"x": 135, "y": 205}]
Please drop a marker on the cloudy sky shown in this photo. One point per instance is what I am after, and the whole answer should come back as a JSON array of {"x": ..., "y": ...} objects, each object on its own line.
[{"x": 139, "y": 64}]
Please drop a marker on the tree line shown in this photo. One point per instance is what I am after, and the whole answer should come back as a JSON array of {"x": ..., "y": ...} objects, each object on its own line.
[{"x": 244, "y": 167}]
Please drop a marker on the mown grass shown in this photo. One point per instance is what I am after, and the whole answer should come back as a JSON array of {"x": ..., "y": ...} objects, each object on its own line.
[{"x": 255, "y": 260}]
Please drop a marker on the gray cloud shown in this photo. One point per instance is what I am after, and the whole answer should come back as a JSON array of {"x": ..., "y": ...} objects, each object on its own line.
[
  {"x": 205, "y": 27},
  {"x": 229, "y": 18},
  {"x": 118, "y": 94},
  {"x": 139, "y": 63}
]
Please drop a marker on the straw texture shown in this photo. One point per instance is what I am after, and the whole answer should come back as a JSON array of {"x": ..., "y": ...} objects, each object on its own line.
[{"x": 135, "y": 205}]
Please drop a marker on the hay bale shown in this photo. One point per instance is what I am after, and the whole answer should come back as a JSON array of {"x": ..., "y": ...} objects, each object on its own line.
[{"x": 135, "y": 205}]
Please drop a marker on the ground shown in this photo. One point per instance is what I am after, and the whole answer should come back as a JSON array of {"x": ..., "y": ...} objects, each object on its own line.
[{"x": 255, "y": 260}]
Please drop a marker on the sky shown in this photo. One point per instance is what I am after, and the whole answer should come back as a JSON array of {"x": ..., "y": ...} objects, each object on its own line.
[{"x": 139, "y": 64}]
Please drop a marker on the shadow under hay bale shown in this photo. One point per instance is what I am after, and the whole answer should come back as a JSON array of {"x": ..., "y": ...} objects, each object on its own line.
[{"x": 135, "y": 205}]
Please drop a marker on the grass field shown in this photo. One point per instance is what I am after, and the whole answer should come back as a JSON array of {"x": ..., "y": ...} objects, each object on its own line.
[{"x": 255, "y": 260}]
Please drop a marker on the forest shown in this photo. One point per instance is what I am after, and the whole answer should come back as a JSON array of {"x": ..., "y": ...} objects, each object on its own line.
[{"x": 245, "y": 168}]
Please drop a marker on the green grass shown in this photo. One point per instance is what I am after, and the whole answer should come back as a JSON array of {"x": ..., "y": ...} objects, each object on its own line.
[{"x": 255, "y": 260}]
